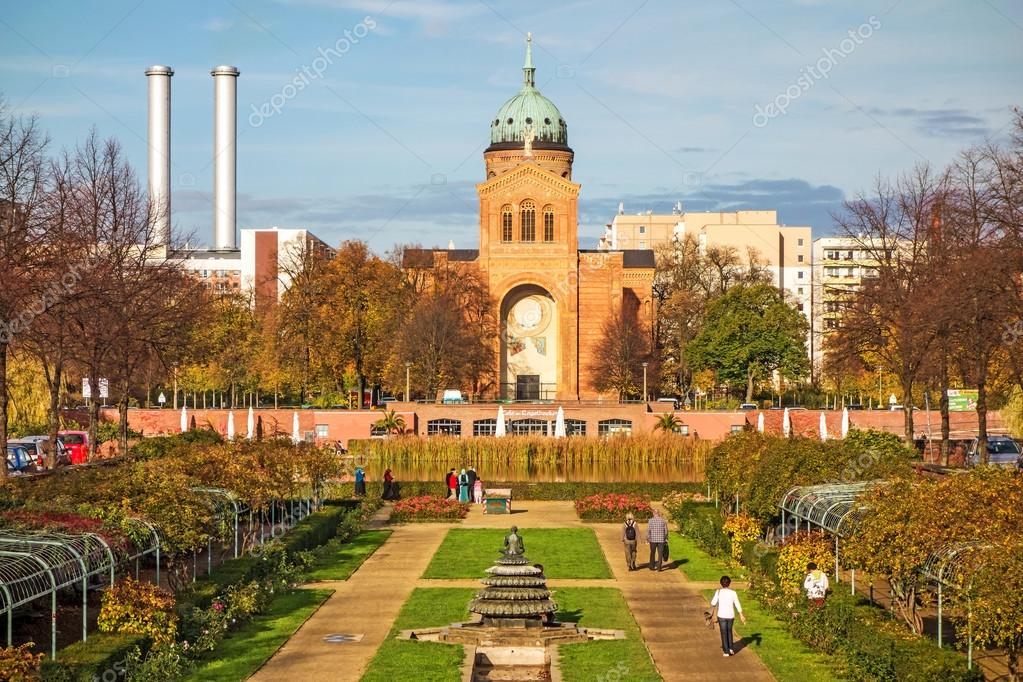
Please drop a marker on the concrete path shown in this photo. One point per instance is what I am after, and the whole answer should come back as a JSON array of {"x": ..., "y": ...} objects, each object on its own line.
[
  {"x": 384, "y": 581},
  {"x": 669, "y": 611}
]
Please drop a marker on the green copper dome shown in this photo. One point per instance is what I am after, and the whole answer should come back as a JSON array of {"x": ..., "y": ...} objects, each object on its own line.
[{"x": 528, "y": 111}]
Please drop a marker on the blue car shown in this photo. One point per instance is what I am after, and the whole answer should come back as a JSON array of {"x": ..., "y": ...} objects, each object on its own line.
[{"x": 19, "y": 459}]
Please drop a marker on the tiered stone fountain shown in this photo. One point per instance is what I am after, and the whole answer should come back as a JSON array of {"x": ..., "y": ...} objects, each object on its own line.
[{"x": 516, "y": 630}]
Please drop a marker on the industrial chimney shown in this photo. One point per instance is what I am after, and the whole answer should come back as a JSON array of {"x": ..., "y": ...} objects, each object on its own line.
[
  {"x": 225, "y": 157},
  {"x": 159, "y": 148}
]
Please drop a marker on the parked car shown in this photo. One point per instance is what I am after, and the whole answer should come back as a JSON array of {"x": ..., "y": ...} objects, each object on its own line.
[
  {"x": 77, "y": 445},
  {"x": 854, "y": 406},
  {"x": 671, "y": 401},
  {"x": 18, "y": 459},
  {"x": 748, "y": 406},
  {"x": 36, "y": 446},
  {"x": 1001, "y": 450},
  {"x": 452, "y": 397}
]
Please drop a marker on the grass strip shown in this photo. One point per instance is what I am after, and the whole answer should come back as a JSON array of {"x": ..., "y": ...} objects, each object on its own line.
[
  {"x": 243, "y": 651},
  {"x": 696, "y": 564},
  {"x": 338, "y": 560},
  {"x": 625, "y": 659},
  {"x": 417, "y": 660},
  {"x": 564, "y": 552}
]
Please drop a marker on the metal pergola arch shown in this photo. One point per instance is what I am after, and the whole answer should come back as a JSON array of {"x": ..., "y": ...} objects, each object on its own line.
[
  {"x": 831, "y": 507},
  {"x": 941, "y": 567},
  {"x": 64, "y": 560}
]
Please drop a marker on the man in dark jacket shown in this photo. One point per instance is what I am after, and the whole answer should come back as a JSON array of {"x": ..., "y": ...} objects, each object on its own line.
[{"x": 471, "y": 473}]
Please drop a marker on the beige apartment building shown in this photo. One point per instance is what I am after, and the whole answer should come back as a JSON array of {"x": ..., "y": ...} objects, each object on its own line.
[
  {"x": 786, "y": 251},
  {"x": 840, "y": 265}
]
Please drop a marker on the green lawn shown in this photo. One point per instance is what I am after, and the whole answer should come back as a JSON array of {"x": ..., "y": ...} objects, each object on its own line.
[
  {"x": 602, "y": 607},
  {"x": 695, "y": 563},
  {"x": 564, "y": 553},
  {"x": 422, "y": 661},
  {"x": 247, "y": 648},
  {"x": 338, "y": 561},
  {"x": 433, "y": 662}
]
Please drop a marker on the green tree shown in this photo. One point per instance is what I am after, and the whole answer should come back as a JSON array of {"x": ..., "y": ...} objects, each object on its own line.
[{"x": 748, "y": 333}]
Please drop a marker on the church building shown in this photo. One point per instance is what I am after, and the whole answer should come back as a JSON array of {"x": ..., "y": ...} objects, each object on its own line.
[{"x": 554, "y": 298}]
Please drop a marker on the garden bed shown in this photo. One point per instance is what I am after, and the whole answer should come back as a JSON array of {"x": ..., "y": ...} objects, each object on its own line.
[
  {"x": 427, "y": 508},
  {"x": 612, "y": 507}
]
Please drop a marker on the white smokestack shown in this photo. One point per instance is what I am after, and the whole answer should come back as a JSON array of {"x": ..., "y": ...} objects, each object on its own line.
[
  {"x": 159, "y": 148},
  {"x": 225, "y": 157}
]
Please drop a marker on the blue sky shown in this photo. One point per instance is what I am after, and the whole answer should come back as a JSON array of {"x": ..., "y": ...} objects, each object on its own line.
[{"x": 665, "y": 101}]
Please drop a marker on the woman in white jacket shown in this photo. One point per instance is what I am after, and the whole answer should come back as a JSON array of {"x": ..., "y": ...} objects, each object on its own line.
[
  {"x": 815, "y": 584},
  {"x": 727, "y": 603}
]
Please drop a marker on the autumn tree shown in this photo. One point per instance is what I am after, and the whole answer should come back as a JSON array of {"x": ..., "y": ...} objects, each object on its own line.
[
  {"x": 749, "y": 333},
  {"x": 623, "y": 347}
]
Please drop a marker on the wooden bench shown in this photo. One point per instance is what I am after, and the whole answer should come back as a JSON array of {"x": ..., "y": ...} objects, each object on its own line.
[{"x": 497, "y": 501}]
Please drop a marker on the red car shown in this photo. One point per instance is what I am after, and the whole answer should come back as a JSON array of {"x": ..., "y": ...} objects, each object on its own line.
[{"x": 77, "y": 444}]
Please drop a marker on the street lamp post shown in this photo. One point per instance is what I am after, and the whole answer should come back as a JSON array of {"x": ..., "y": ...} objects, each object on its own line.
[
  {"x": 644, "y": 382},
  {"x": 408, "y": 382},
  {"x": 175, "y": 371}
]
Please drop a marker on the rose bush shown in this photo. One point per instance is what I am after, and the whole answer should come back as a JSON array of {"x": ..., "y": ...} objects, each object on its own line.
[
  {"x": 139, "y": 608},
  {"x": 741, "y": 528},
  {"x": 19, "y": 664},
  {"x": 611, "y": 507},
  {"x": 429, "y": 508}
]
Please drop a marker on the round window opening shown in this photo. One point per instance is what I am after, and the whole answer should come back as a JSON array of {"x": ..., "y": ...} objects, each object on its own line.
[
  {"x": 509, "y": 121},
  {"x": 529, "y": 121},
  {"x": 547, "y": 121}
]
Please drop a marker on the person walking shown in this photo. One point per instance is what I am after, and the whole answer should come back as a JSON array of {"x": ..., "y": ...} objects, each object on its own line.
[
  {"x": 816, "y": 585},
  {"x": 452, "y": 483},
  {"x": 360, "y": 481},
  {"x": 727, "y": 603},
  {"x": 630, "y": 538},
  {"x": 463, "y": 486},
  {"x": 657, "y": 537},
  {"x": 477, "y": 491},
  {"x": 388, "y": 493}
]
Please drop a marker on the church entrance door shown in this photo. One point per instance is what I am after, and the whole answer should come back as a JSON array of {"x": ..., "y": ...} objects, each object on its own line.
[{"x": 527, "y": 387}]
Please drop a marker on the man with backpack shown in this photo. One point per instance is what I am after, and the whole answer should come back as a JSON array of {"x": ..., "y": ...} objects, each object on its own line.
[{"x": 630, "y": 536}]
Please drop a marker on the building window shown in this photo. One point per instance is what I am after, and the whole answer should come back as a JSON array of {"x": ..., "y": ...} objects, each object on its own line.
[
  {"x": 735, "y": 428},
  {"x": 800, "y": 242},
  {"x": 506, "y": 224},
  {"x": 524, "y": 427},
  {"x": 831, "y": 255},
  {"x": 205, "y": 274},
  {"x": 799, "y": 275},
  {"x": 831, "y": 324},
  {"x": 321, "y": 431},
  {"x": 548, "y": 223},
  {"x": 683, "y": 429},
  {"x": 527, "y": 221},
  {"x": 800, "y": 258},
  {"x": 484, "y": 427},
  {"x": 609, "y": 427},
  {"x": 642, "y": 229},
  {"x": 575, "y": 427},
  {"x": 799, "y": 291},
  {"x": 444, "y": 427}
]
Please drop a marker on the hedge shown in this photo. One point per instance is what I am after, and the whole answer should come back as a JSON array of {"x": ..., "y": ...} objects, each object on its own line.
[
  {"x": 873, "y": 647},
  {"x": 309, "y": 533},
  {"x": 101, "y": 657},
  {"x": 525, "y": 490},
  {"x": 704, "y": 523}
]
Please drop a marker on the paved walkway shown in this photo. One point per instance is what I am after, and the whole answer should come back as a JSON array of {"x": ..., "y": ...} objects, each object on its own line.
[
  {"x": 668, "y": 608},
  {"x": 385, "y": 581}
]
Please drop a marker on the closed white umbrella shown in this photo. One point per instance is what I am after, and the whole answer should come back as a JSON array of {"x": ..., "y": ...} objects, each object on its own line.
[
  {"x": 845, "y": 422},
  {"x": 824, "y": 427},
  {"x": 250, "y": 425},
  {"x": 230, "y": 425},
  {"x": 559, "y": 424},
  {"x": 296, "y": 435},
  {"x": 184, "y": 419},
  {"x": 786, "y": 425},
  {"x": 499, "y": 431},
  {"x": 760, "y": 422}
]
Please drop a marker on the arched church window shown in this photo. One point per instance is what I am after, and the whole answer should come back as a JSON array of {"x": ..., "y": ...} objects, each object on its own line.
[
  {"x": 548, "y": 223},
  {"x": 506, "y": 223},
  {"x": 527, "y": 221}
]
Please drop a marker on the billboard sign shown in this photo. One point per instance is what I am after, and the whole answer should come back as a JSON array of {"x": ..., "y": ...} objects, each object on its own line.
[{"x": 962, "y": 399}]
